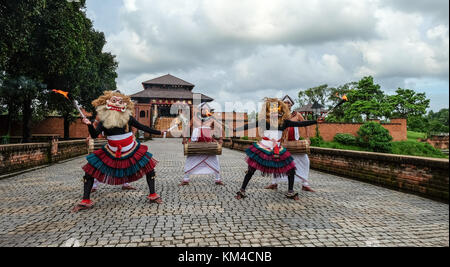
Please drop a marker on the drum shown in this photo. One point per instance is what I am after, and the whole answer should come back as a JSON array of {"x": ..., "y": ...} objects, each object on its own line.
[
  {"x": 297, "y": 147},
  {"x": 202, "y": 148}
]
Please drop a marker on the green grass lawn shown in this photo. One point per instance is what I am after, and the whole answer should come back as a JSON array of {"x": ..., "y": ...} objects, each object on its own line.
[{"x": 413, "y": 136}]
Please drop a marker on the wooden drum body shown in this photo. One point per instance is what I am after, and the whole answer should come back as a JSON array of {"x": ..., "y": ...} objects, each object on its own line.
[
  {"x": 297, "y": 147},
  {"x": 202, "y": 148}
]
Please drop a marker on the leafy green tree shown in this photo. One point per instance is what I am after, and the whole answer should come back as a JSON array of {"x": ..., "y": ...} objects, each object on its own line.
[
  {"x": 407, "y": 102},
  {"x": 335, "y": 96},
  {"x": 52, "y": 42},
  {"x": 438, "y": 121},
  {"x": 367, "y": 101},
  {"x": 417, "y": 123},
  {"x": 317, "y": 94}
]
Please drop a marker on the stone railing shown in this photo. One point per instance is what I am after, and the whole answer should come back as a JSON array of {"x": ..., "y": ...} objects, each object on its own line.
[
  {"x": 17, "y": 157},
  {"x": 427, "y": 177}
]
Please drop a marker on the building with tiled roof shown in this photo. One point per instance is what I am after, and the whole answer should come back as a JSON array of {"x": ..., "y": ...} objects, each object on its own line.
[{"x": 153, "y": 104}]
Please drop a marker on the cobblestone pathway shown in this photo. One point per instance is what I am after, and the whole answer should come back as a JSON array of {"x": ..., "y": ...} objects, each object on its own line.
[{"x": 34, "y": 210}]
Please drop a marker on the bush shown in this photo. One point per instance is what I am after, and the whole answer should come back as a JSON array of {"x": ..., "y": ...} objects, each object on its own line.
[
  {"x": 375, "y": 137},
  {"x": 316, "y": 141},
  {"x": 414, "y": 148},
  {"x": 345, "y": 139}
]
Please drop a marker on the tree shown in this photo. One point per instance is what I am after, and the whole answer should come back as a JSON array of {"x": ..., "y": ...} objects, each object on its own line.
[
  {"x": 366, "y": 102},
  {"x": 51, "y": 42},
  {"x": 438, "y": 122},
  {"x": 408, "y": 103},
  {"x": 336, "y": 94},
  {"x": 317, "y": 94}
]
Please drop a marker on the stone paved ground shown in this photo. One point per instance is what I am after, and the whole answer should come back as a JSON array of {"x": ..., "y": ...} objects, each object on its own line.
[{"x": 34, "y": 210}]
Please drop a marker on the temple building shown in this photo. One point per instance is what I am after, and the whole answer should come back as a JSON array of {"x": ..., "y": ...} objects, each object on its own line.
[{"x": 154, "y": 102}]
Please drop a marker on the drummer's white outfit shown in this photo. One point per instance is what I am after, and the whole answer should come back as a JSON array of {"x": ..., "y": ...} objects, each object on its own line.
[
  {"x": 201, "y": 164},
  {"x": 301, "y": 164}
]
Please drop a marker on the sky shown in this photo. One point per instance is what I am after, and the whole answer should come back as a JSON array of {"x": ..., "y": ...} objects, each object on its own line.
[{"x": 245, "y": 50}]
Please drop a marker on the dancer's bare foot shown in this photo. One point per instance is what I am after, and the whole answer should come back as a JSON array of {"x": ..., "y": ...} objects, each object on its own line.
[
  {"x": 272, "y": 187},
  {"x": 219, "y": 183},
  {"x": 93, "y": 190},
  {"x": 183, "y": 183}
]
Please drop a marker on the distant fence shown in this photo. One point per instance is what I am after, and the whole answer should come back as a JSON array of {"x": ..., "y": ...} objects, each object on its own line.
[
  {"x": 427, "y": 177},
  {"x": 16, "y": 157}
]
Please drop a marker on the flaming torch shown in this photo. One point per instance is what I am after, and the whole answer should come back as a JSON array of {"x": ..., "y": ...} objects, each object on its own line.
[
  {"x": 343, "y": 100},
  {"x": 74, "y": 102}
]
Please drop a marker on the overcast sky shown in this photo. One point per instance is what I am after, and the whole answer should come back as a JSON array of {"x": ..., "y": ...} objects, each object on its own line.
[{"x": 243, "y": 50}]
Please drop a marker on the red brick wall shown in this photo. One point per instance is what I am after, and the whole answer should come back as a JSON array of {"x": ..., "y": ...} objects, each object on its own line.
[
  {"x": 439, "y": 142},
  {"x": 22, "y": 156},
  {"x": 147, "y": 109},
  {"x": 55, "y": 125},
  {"x": 50, "y": 125},
  {"x": 16, "y": 157},
  {"x": 397, "y": 129},
  {"x": 423, "y": 176}
]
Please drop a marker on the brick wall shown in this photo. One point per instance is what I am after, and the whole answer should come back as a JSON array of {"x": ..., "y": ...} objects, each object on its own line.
[
  {"x": 397, "y": 129},
  {"x": 23, "y": 156},
  {"x": 423, "y": 176},
  {"x": 70, "y": 149},
  {"x": 17, "y": 157},
  {"x": 50, "y": 125},
  {"x": 439, "y": 142}
]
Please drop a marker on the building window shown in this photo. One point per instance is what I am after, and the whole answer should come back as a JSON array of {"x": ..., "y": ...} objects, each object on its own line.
[{"x": 142, "y": 114}]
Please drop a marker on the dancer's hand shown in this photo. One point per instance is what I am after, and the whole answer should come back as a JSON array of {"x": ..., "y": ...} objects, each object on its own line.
[{"x": 87, "y": 121}]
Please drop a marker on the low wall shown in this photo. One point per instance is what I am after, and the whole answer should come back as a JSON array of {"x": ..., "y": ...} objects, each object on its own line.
[
  {"x": 16, "y": 157},
  {"x": 23, "y": 156},
  {"x": 427, "y": 177},
  {"x": 438, "y": 142},
  {"x": 70, "y": 149}
]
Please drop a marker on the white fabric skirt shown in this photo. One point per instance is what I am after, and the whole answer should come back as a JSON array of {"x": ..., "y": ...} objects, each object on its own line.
[
  {"x": 202, "y": 164},
  {"x": 302, "y": 171}
]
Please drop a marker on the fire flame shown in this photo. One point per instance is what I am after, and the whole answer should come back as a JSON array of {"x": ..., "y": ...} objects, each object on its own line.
[
  {"x": 344, "y": 97},
  {"x": 64, "y": 93}
]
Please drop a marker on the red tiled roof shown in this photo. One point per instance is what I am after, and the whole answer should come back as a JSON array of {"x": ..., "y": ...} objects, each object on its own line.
[
  {"x": 173, "y": 93},
  {"x": 168, "y": 80}
]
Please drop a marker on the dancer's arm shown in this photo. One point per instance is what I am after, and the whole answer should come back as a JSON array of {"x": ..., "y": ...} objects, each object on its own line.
[
  {"x": 93, "y": 132},
  {"x": 288, "y": 123},
  {"x": 137, "y": 125}
]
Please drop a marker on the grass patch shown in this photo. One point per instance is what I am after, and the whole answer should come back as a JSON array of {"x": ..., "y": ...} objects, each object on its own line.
[
  {"x": 415, "y": 148},
  {"x": 408, "y": 148},
  {"x": 337, "y": 145},
  {"x": 413, "y": 136}
]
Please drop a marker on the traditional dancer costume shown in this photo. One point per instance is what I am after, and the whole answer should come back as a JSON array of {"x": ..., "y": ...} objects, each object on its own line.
[
  {"x": 301, "y": 162},
  {"x": 267, "y": 155},
  {"x": 123, "y": 159},
  {"x": 202, "y": 164}
]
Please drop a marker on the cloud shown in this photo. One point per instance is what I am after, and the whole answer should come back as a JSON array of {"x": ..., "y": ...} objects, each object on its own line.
[{"x": 240, "y": 50}]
